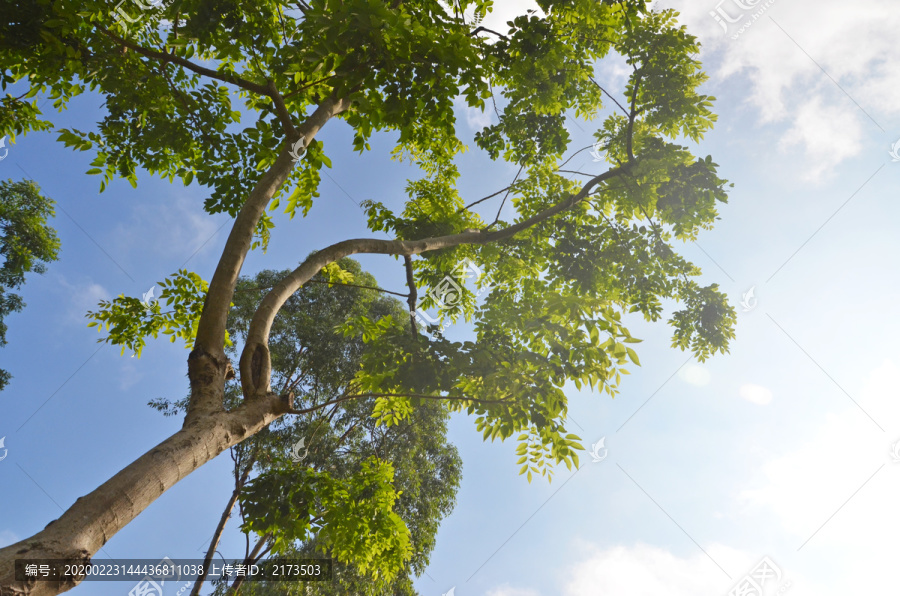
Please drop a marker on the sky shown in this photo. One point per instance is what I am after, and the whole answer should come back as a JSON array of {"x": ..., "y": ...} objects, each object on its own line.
[{"x": 775, "y": 461}]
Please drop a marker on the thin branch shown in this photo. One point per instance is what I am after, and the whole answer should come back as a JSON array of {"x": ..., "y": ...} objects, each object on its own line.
[
  {"x": 491, "y": 196},
  {"x": 308, "y": 85},
  {"x": 164, "y": 57},
  {"x": 337, "y": 283},
  {"x": 249, "y": 560},
  {"x": 506, "y": 196},
  {"x": 414, "y": 395},
  {"x": 608, "y": 95},
  {"x": 478, "y": 30},
  {"x": 226, "y": 514},
  {"x": 344, "y": 436},
  {"x": 571, "y": 157},
  {"x": 493, "y": 100},
  {"x": 412, "y": 296},
  {"x": 283, "y": 114},
  {"x": 631, "y": 117},
  {"x": 575, "y": 172}
]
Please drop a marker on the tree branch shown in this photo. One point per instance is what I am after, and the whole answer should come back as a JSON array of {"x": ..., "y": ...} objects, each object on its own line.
[
  {"x": 416, "y": 395},
  {"x": 490, "y": 196},
  {"x": 226, "y": 514},
  {"x": 608, "y": 95},
  {"x": 211, "y": 327},
  {"x": 478, "y": 30},
  {"x": 506, "y": 196},
  {"x": 282, "y": 112},
  {"x": 261, "y": 324},
  {"x": 632, "y": 115},
  {"x": 164, "y": 57},
  {"x": 337, "y": 283},
  {"x": 412, "y": 297}
]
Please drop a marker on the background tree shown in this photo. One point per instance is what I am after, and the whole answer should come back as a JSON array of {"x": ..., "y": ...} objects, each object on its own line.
[
  {"x": 311, "y": 357},
  {"x": 27, "y": 244},
  {"x": 576, "y": 255}
]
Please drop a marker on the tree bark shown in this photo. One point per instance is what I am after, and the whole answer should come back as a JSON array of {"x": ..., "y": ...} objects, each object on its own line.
[{"x": 95, "y": 518}]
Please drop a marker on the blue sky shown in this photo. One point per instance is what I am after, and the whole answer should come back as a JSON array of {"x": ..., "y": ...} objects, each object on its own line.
[{"x": 781, "y": 449}]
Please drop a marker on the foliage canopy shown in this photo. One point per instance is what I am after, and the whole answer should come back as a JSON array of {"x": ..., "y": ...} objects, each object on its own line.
[{"x": 222, "y": 93}]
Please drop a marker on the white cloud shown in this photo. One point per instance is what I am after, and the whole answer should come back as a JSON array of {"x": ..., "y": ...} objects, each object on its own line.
[
  {"x": 837, "y": 489},
  {"x": 827, "y": 135},
  {"x": 80, "y": 297},
  {"x": 781, "y": 59},
  {"x": 695, "y": 375},
  {"x": 756, "y": 394},
  {"x": 169, "y": 227},
  {"x": 129, "y": 375},
  {"x": 475, "y": 118},
  {"x": 501, "y": 12},
  {"x": 507, "y": 590},
  {"x": 507, "y": 10},
  {"x": 644, "y": 570}
]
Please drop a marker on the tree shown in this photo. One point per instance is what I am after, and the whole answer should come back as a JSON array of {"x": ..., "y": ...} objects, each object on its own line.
[
  {"x": 27, "y": 244},
  {"x": 314, "y": 359},
  {"x": 577, "y": 254}
]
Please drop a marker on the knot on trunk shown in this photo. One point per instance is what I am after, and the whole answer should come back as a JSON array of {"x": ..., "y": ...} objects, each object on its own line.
[
  {"x": 256, "y": 371},
  {"x": 205, "y": 368}
]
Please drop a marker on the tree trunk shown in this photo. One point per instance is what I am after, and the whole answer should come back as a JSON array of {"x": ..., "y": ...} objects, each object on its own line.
[{"x": 95, "y": 518}]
